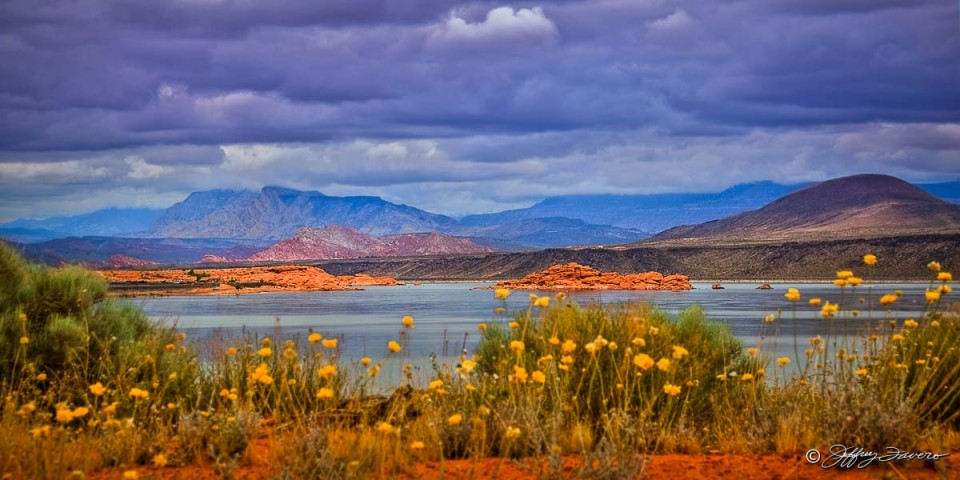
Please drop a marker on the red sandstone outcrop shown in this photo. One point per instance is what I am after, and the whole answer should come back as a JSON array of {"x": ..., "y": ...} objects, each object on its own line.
[
  {"x": 573, "y": 276},
  {"x": 250, "y": 280},
  {"x": 124, "y": 261},
  {"x": 210, "y": 258}
]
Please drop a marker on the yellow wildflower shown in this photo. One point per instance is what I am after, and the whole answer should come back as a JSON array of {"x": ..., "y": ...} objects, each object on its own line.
[
  {"x": 324, "y": 393},
  {"x": 533, "y": 298},
  {"x": 138, "y": 393},
  {"x": 561, "y": 296},
  {"x": 672, "y": 390},
  {"x": 499, "y": 310},
  {"x": 932, "y": 296},
  {"x": 568, "y": 346},
  {"x": 870, "y": 259},
  {"x": 945, "y": 276},
  {"x": 64, "y": 415},
  {"x": 416, "y": 445},
  {"x": 911, "y": 323},
  {"x": 639, "y": 342},
  {"x": 24, "y": 340},
  {"x": 554, "y": 341},
  {"x": 844, "y": 274},
  {"x": 265, "y": 352},
  {"x": 501, "y": 293},
  {"x": 169, "y": 347},
  {"x": 839, "y": 282},
  {"x": 314, "y": 338},
  {"x": 517, "y": 346},
  {"x": 231, "y": 351},
  {"x": 896, "y": 337},
  {"x": 289, "y": 354},
  {"x": 327, "y": 371},
  {"x": 41, "y": 377},
  {"x": 385, "y": 428},
  {"x": 514, "y": 324},
  {"x": 567, "y": 360},
  {"x": 888, "y": 299},
  {"x": 435, "y": 384},
  {"x": 512, "y": 433},
  {"x": 792, "y": 294},
  {"x": 482, "y": 327},
  {"x": 542, "y": 302},
  {"x": 538, "y": 377},
  {"x": 769, "y": 318},
  {"x": 393, "y": 346},
  {"x": 815, "y": 301},
  {"x": 130, "y": 475},
  {"x": 365, "y": 361},
  {"x": 159, "y": 460},
  {"x": 329, "y": 343},
  {"x": 520, "y": 374},
  {"x": 408, "y": 321},
  {"x": 933, "y": 266},
  {"x": 679, "y": 352},
  {"x": 752, "y": 351},
  {"x": 829, "y": 309},
  {"x": 783, "y": 361},
  {"x": 854, "y": 281},
  {"x": 663, "y": 364},
  {"x": 454, "y": 420},
  {"x": 643, "y": 361},
  {"x": 747, "y": 377},
  {"x": 944, "y": 289},
  {"x": 862, "y": 372}
]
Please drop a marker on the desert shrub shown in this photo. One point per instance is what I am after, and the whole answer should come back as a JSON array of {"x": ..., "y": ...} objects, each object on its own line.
[{"x": 629, "y": 359}]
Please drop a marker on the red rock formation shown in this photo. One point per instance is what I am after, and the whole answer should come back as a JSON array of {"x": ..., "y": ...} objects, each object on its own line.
[
  {"x": 250, "y": 279},
  {"x": 209, "y": 258},
  {"x": 574, "y": 276},
  {"x": 336, "y": 241},
  {"x": 124, "y": 261}
]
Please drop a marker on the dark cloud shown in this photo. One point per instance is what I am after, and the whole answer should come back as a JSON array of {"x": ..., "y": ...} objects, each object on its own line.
[{"x": 166, "y": 95}]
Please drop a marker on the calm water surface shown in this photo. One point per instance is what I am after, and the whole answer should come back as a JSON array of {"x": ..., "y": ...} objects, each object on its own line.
[{"x": 447, "y": 314}]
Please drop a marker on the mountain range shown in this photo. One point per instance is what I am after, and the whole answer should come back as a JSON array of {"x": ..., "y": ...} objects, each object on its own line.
[
  {"x": 859, "y": 206},
  {"x": 336, "y": 241},
  {"x": 237, "y": 225}
]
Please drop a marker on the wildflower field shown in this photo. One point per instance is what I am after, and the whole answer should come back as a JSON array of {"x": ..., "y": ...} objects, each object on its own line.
[{"x": 93, "y": 389}]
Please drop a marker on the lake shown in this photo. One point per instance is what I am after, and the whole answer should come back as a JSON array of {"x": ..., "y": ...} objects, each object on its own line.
[{"x": 447, "y": 314}]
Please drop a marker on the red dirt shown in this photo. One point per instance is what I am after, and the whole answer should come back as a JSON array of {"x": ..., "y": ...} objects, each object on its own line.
[
  {"x": 574, "y": 276},
  {"x": 660, "y": 467},
  {"x": 288, "y": 278}
]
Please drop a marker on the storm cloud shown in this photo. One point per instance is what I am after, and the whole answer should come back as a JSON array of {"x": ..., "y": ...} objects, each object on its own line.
[{"x": 466, "y": 107}]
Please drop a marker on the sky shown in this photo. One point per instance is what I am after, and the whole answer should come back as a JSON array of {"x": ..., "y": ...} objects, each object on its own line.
[{"x": 462, "y": 107}]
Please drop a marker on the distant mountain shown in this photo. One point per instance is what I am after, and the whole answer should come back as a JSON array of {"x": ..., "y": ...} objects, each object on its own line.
[
  {"x": 124, "y": 261},
  {"x": 28, "y": 235},
  {"x": 111, "y": 222},
  {"x": 336, "y": 241},
  {"x": 548, "y": 232},
  {"x": 276, "y": 213},
  {"x": 949, "y": 191},
  {"x": 859, "y": 206},
  {"x": 96, "y": 250},
  {"x": 644, "y": 213}
]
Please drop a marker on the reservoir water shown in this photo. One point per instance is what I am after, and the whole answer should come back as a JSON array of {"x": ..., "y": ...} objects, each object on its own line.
[{"x": 447, "y": 314}]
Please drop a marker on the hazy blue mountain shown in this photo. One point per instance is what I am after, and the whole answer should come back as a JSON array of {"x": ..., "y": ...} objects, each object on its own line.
[
  {"x": 548, "y": 232},
  {"x": 110, "y": 222},
  {"x": 95, "y": 250},
  {"x": 276, "y": 213},
  {"x": 949, "y": 191},
  {"x": 29, "y": 235},
  {"x": 645, "y": 213}
]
